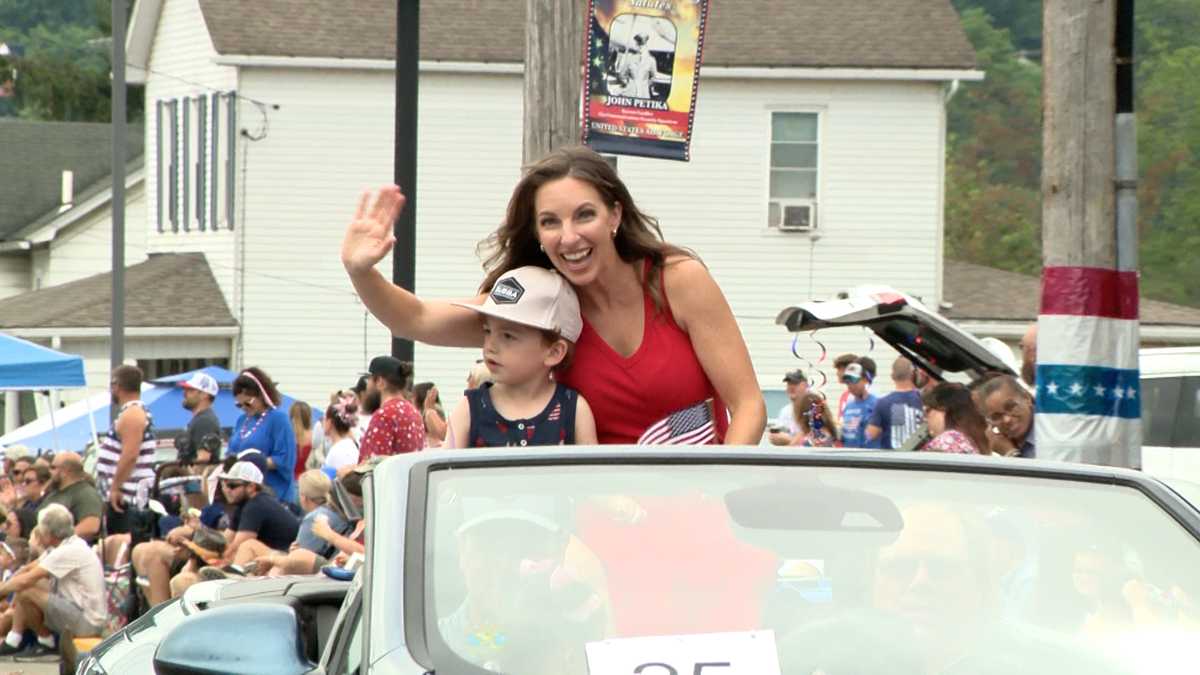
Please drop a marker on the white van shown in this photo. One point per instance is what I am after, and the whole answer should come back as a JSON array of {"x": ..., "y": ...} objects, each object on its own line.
[{"x": 1170, "y": 380}]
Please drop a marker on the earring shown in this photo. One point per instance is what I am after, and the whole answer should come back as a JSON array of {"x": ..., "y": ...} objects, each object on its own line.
[
  {"x": 614, "y": 234},
  {"x": 541, "y": 248}
]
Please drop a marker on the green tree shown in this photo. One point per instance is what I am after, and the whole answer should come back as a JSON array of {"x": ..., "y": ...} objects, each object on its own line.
[
  {"x": 993, "y": 176},
  {"x": 60, "y": 68},
  {"x": 993, "y": 193}
]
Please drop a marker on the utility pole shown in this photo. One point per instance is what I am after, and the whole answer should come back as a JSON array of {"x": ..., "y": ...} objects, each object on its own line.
[
  {"x": 1088, "y": 396},
  {"x": 553, "y": 75},
  {"x": 117, "y": 323},
  {"x": 404, "y": 253}
]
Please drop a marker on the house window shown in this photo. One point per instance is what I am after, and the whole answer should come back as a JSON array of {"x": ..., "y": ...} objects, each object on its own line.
[
  {"x": 196, "y": 150},
  {"x": 792, "y": 204}
]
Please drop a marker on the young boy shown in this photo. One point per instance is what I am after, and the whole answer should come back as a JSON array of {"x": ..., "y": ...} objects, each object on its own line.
[{"x": 530, "y": 324}]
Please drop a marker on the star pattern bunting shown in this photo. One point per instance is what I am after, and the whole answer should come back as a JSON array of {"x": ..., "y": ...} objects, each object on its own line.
[{"x": 1088, "y": 390}]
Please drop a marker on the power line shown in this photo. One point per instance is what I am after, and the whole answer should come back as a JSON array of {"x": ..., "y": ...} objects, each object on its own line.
[{"x": 273, "y": 106}]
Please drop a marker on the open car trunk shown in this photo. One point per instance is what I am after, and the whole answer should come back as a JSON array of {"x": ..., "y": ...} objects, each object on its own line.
[{"x": 924, "y": 337}]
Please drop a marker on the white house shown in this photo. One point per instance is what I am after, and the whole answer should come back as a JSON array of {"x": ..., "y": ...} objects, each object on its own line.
[{"x": 266, "y": 120}]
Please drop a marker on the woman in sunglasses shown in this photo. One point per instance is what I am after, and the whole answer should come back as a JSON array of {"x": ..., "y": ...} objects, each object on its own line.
[{"x": 265, "y": 427}]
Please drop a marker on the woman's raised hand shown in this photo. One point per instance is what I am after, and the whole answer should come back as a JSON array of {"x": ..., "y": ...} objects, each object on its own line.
[{"x": 370, "y": 235}]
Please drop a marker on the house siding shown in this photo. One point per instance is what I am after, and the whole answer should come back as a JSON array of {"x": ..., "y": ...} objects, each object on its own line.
[
  {"x": 85, "y": 248},
  {"x": 182, "y": 64},
  {"x": 14, "y": 273},
  {"x": 879, "y": 210}
]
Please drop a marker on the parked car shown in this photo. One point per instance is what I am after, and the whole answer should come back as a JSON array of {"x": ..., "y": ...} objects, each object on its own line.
[
  {"x": 314, "y": 601},
  {"x": 662, "y": 560}
]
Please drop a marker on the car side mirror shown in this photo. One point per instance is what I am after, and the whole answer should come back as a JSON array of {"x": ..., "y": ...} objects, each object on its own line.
[{"x": 244, "y": 639}]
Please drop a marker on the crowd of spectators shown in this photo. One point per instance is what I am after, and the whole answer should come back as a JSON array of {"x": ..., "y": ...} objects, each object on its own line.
[
  {"x": 83, "y": 552},
  {"x": 991, "y": 416}
]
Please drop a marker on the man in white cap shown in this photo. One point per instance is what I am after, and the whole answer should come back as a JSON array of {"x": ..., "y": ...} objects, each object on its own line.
[
  {"x": 199, "y": 392},
  {"x": 261, "y": 524},
  {"x": 531, "y": 322}
]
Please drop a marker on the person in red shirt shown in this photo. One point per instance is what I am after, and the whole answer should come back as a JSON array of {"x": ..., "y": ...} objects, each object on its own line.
[{"x": 397, "y": 426}]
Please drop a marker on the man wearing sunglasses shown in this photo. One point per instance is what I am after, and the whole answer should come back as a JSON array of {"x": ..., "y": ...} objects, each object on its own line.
[
  {"x": 31, "y": 488},
  {"x": 261, "y": 524}
]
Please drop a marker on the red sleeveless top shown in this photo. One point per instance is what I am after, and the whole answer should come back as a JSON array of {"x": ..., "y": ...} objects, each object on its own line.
[{"x": 663, "y": 376}]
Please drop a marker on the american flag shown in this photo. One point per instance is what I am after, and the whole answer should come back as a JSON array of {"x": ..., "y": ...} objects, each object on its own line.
[{"x": 691, "y": 426}]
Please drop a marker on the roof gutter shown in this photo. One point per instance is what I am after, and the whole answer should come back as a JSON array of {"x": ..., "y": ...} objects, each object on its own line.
[
  {"x": 15, "y": 245},
  {"x": 40, "y": 234},
  {"x": 722, "y": 72}
]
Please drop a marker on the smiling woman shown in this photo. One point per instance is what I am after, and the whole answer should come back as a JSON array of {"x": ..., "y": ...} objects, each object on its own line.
[{"x": 658, "y": 335}]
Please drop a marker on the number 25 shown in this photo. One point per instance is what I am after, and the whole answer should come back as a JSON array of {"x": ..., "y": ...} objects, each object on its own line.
[{"x": 699, "y": 669}]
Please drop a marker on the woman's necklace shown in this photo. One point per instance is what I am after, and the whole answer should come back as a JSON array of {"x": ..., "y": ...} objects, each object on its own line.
[{"x": 247, "y": 434}]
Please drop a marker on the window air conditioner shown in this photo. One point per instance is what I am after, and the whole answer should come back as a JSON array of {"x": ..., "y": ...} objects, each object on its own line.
[{"x": 794, "y": 216}]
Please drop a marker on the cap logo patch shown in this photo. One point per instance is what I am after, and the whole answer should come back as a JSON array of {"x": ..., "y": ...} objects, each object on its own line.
[{"x": 507, "y": 291}]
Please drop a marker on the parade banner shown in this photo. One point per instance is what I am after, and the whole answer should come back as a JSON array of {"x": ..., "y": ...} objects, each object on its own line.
[{"x": 641, "y": 76}]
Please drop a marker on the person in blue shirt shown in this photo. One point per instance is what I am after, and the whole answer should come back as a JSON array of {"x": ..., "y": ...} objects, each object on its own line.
[
  {"x": 898, "y": 414},
  {"x": 265, "y": 427},
  {"x": 860, "y": 405}
]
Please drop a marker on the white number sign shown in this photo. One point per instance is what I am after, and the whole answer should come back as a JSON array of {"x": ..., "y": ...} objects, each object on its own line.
[{"x": 750, "y": 653}]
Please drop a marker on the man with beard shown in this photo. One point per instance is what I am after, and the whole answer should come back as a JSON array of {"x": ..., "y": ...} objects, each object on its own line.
[
  {"x": 70, "y": 487},
  {"x": 125, "y": 457},
  {"x": 199, "y": 392}
]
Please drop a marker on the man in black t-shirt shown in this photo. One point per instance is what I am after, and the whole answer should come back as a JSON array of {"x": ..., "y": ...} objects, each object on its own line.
[
  {"x": 199, "y": 392},
  {"x": 261, "y": 524}
]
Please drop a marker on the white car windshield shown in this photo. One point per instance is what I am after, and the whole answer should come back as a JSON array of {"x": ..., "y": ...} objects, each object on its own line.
[{"x": 847, "y": 570}]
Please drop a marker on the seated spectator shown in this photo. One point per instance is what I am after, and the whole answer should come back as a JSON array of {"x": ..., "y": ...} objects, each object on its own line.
[
  {"x": 10, "y": 522},
  {"x": 315, "y": 487},
  {"x": 154, "y": 560},
  {"x": 206, "y": 548},
  {"x": 339, "y": 543},
  {"x": 261, "y": 524},
  {"x": 70, "y": 486},
  {"x": 30, "y": 491},
  {"x": 74, "y": 602}
]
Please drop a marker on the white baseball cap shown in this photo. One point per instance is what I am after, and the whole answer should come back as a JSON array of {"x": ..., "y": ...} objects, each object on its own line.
[
  {"x": 243, "y": 471},
  {"x": 202, "y": 382},
  {"x": 537, "y": 297}
]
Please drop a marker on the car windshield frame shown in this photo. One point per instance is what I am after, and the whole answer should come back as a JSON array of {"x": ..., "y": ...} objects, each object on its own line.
[{"x": 419, "y": 623}]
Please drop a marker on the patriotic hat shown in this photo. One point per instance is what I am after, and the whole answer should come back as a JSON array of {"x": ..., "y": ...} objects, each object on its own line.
[
  {"x": 537, "y": 297},
  {"x": 202, "y": 382}
]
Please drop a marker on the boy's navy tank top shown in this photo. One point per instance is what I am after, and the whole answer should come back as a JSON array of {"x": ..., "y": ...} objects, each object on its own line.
[{"x": 555, "y": 425}]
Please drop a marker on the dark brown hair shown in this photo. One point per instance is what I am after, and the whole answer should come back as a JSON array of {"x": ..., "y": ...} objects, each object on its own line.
[
  {"x": 246, "y": 384},
  {"x": 128, "y": 378},
  {"x": 844, "y": 360},
  {"x": 956, "y": 402},
  {"x": 515, "y": 243}
]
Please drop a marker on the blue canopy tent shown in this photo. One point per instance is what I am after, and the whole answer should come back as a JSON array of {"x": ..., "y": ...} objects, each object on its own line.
[
  {"x": 163, "y": 398},
  {"x": 28, "y": 366},
  {"x": 25, "y": 365}
]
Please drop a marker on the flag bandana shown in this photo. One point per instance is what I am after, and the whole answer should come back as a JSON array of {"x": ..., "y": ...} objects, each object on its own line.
[
  {"x": 691, "y": 426},
  {"x": 641, "y": 76}
]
